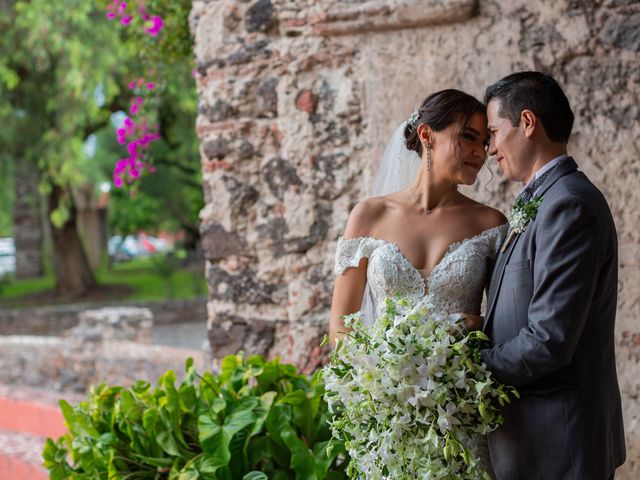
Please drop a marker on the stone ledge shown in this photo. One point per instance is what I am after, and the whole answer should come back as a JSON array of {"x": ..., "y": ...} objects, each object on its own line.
[
  {"x": 67, "y": 365},
  {"x": 55, "y": 319},
  {"x": 380, "y": 16}
]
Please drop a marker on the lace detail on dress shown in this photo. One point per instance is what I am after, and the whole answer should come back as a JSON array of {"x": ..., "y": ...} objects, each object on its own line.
[
  {"x": 350, "y": 251},
  {"x": 454, "y": 285},
  {"x": 388, "y": 272}
]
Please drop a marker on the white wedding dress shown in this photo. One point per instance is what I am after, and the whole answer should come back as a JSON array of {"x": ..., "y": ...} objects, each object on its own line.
[{"x": 455, "y": 285}]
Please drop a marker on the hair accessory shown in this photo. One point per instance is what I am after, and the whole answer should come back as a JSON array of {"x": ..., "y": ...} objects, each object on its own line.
[{"x": 413, "y": 118}]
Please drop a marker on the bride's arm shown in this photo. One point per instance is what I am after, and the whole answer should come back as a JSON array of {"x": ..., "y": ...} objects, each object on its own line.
[
  {"x": 347, "y": 297},
  {"x": 350, "y": 284}
]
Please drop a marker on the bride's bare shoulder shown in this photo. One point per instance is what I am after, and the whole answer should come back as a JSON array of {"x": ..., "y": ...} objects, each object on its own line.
[
  {"x": 364, "y": 216},
  {"x": 489, "y": 217},
  {"x": 493, "y": 216}
]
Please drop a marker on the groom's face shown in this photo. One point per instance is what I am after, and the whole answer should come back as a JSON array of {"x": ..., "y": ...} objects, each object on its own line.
[{"x": 507, "y": 143}]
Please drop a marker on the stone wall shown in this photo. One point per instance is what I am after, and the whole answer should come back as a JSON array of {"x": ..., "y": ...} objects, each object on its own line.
[
  {"x": 110, "y": 345},
  {"x": 298, "y": 99}
]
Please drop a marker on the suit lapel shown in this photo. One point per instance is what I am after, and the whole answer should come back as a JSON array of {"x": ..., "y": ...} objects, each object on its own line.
[
  {"x": 496, "y": 279},
  {"x": 566, "y": 166}
]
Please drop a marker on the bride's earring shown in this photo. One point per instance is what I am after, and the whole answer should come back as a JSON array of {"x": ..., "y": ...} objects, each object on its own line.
[{"x": 428, "y": 157}]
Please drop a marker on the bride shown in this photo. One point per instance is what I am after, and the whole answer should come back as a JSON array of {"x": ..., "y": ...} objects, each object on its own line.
[
  {"x": 426, "y": 239},
  {"x": 420, "y": 237}
]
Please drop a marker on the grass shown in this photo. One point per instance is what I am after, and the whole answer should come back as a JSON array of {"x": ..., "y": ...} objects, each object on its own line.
[{"x": 146, "y": 279}]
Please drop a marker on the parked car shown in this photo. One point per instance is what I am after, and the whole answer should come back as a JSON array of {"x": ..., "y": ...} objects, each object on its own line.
[
  {"x": 134, "y": 246},
  {"x": 7, "y": 256}
]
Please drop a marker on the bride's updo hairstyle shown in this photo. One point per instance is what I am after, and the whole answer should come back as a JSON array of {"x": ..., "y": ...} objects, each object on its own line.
[{"x": 438, "y": 111}]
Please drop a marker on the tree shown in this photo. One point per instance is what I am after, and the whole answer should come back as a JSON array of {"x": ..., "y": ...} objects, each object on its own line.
[
  {"x": 55, "y": 91},
  {"x": 63, "y": 72}
]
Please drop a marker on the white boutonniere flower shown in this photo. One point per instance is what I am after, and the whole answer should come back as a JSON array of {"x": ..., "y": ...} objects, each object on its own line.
[{"x": 521, "y": 215}]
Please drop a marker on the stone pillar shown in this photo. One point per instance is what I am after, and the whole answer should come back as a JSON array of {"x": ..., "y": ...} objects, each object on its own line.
[
  {"x": 279, "y": 117},
  {"x": 287, "y": 149}
]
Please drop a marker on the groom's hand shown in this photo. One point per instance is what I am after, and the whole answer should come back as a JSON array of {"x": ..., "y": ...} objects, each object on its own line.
[{"x": 473, "y": 321}]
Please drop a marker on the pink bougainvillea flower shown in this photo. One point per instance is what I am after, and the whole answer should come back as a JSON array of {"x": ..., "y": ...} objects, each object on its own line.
[
  {"x": 121, "y": 135},
  {"x": 144, "y": 14},
  {"x": 120, "y": 165},
  {"x": 195, "y": 73},
  {"x": 157, "y": 24},
  {"x": 132, "y": 148},
  {"x": 136, "y": 138}
]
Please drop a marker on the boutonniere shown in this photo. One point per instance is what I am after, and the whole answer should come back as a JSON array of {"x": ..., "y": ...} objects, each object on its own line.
[{"x": 521, "y": 215}]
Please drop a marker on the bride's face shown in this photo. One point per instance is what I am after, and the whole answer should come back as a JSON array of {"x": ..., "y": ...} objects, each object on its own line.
[{"x": 459, "y": 151}]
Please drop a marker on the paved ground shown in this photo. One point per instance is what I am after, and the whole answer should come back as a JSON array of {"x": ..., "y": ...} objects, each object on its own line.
[
  {"x": 20, "y": 456},
  {"x": 27, "y": 415}
]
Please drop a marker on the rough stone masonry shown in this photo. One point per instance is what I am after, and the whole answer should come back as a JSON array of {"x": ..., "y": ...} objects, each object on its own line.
[{"x": 298, "y": 99}]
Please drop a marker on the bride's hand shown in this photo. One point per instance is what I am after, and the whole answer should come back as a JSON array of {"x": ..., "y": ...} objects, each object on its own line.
[{"x": 473, "y": 321}]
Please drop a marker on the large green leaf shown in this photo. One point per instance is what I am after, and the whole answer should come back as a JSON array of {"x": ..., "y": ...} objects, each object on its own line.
[
  {"x": 302, "y": 413},
  {"x": 254, "y": 475},
  {"x": 302, "y": 460},
  {"x": 77, "y": 421},
  {"x": 261, "y": 415},
  {"x": 215, "y": 438},
  {"x": 55, "y": 460}
]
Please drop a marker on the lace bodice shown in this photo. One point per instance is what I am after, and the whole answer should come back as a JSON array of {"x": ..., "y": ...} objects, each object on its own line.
[{"x": 454, "y": 285}]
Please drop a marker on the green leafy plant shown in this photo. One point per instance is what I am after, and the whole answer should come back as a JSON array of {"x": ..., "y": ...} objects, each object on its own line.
[{"x": 256, "y": 420}]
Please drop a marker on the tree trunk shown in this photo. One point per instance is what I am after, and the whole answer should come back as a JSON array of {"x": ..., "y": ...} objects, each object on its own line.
[
  {"x": 73, "y": 274},
  {"x": 27, "y": 221}
]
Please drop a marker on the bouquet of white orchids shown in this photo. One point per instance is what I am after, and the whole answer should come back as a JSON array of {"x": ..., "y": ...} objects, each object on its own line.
[{"x": 410, "y": 395}]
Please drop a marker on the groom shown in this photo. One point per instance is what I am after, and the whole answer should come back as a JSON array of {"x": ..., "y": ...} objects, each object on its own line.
[{"x": 552, "y": 298}]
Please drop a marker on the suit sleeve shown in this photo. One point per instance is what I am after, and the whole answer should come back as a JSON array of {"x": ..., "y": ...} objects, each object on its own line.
[{"x": 565, "y": 271}]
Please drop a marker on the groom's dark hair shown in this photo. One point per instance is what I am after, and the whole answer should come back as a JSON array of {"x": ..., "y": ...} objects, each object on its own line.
[{"x": 538, "y": 92}]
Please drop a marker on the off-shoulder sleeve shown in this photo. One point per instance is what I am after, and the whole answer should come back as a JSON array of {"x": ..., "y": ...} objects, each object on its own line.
[{"x": 350, "y": 251}]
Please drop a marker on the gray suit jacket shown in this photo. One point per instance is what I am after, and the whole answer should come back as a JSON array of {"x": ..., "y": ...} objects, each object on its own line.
[{"x": 550, "y": 315}]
